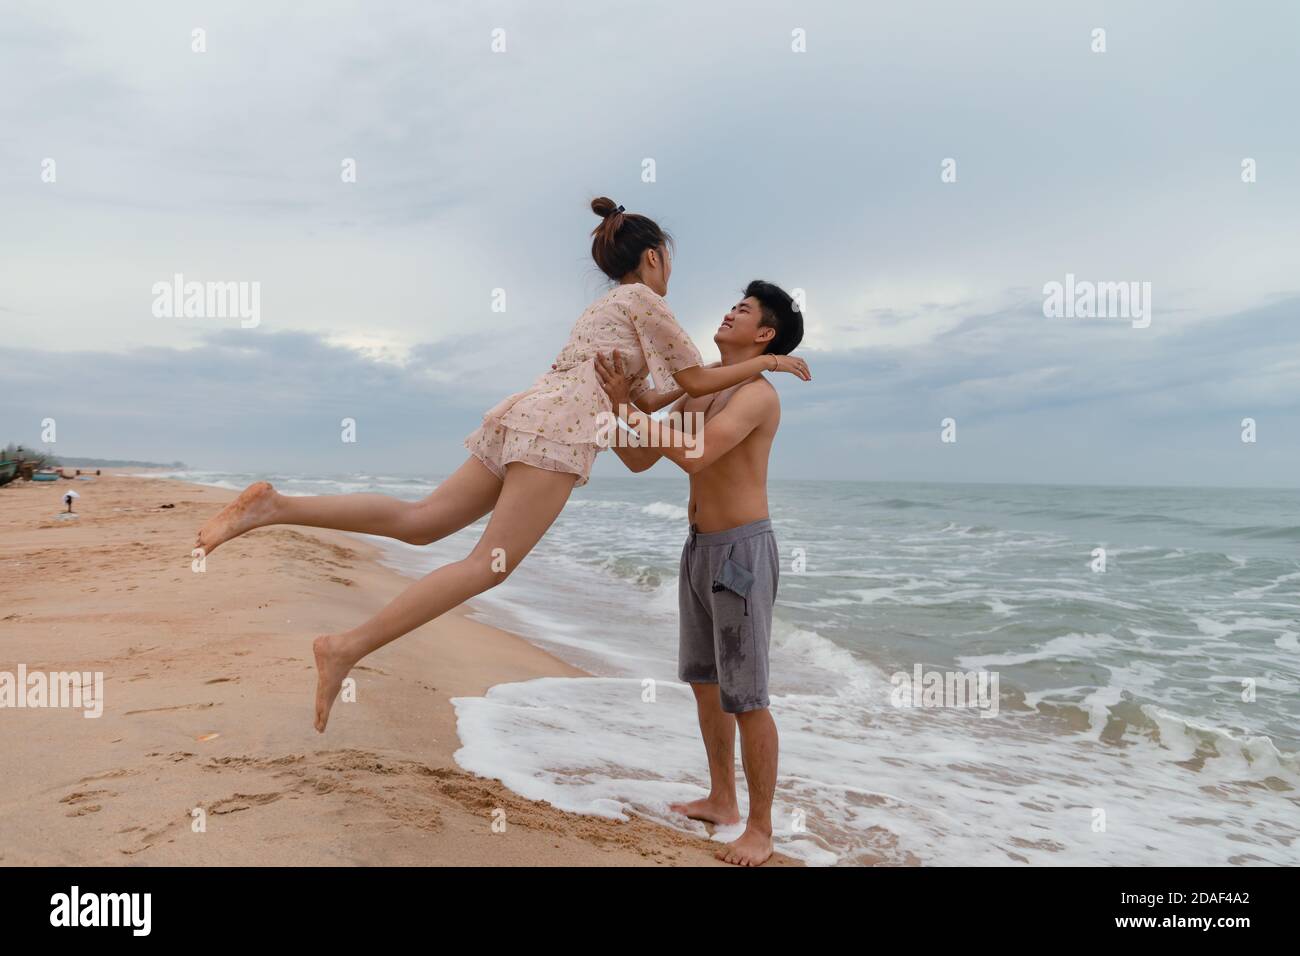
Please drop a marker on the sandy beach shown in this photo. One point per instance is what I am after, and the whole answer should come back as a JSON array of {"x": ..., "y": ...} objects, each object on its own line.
[{"x": 208, "y": 684}]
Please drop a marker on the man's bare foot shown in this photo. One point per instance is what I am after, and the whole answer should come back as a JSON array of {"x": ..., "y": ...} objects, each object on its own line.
[
  {"x": 332, "y": 665},
  {"x": 709, "y": 810},
  {"x": 254, "y": 507},
  {"x": 752, "y": 849}
]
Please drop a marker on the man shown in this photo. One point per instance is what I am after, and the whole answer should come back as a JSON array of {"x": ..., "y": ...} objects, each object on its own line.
[{"x": 729, "y": 565}]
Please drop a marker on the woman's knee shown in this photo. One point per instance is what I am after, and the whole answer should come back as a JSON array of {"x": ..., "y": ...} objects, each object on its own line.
[
  {"x": 418, "y": 525},
  {"x": 490, "y": 566}
]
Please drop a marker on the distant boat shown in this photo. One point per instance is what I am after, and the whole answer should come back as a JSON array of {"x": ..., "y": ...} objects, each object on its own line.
[
  {"x": 8, "y": 471},
  {"x": 45, "y": 476}
]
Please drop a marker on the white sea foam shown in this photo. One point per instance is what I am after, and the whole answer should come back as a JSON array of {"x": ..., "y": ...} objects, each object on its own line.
[
  {"x": 930, "y": 786},
  {"x": 662, "y": 509},
  {"x": 1264, "y": 589},
  {"x": 1074, "y": 646}
]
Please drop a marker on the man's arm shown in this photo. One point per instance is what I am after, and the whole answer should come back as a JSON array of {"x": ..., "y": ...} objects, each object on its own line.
[
  {"x": 748, "y": 408},
  {"x": 644, "y": 457},
  {"x": 614, "y": 380},
  {"x": 650, "y": 400}
]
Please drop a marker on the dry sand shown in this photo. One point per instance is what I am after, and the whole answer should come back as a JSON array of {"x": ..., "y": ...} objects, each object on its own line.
[{"x": 228, "y": 652}]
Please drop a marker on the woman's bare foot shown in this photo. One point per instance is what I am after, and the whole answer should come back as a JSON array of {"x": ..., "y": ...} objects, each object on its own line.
[
  {"x": 718, "y": 812},
  {"x": 752, "y": 849},
  {"x": 254, "y": 507},
  {"x": 332, "y": 666}
]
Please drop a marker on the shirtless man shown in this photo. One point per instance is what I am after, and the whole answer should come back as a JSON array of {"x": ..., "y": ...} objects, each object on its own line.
[{"x": 729, "y": 564}]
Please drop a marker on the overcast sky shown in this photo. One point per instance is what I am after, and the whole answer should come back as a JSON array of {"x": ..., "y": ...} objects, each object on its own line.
[{"x": 819, "y": 170}]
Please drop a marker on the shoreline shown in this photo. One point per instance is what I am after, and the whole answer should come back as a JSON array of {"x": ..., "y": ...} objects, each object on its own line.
[{"x": 226, "y": 652}]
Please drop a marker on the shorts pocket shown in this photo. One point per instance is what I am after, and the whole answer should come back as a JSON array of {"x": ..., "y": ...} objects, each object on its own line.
[{"x": 735, "y": 578}]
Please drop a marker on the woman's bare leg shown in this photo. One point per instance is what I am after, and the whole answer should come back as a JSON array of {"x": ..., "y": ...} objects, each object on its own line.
[
  {"x": 530, "y": 501},
  {"x": 459, "y": 501}
]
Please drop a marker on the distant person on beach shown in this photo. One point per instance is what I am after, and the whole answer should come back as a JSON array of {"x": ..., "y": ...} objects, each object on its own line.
[
  {"x": 727, "y": 584},
  {"x": 526, "y": 458}
]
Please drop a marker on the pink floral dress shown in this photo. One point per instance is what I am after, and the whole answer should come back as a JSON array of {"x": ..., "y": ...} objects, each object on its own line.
[{"x": 555, "y": 423}]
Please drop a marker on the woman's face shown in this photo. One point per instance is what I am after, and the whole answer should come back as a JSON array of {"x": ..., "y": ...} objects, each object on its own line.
[{"x": 656, "y": 267}]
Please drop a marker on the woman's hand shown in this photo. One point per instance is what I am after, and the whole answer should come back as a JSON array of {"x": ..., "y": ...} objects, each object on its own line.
[
  {"x": 613, "y": 379},
  {"x": 795, "y": 366}
]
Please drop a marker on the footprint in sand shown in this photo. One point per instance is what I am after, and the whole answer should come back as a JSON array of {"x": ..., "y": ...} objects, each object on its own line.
[
  {"x": 160, "y": 710},
  {"x": 243, "y": 801},
  {"x": 108, "y": 775},
  {"x": 174, "y": 757},
  {"x": 79, "y": 801}
]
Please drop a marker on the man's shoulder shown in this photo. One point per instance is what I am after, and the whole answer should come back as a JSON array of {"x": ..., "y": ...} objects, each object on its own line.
[
  {"x": 760, "y": 389},
  {"x": 759, "y": 398}
]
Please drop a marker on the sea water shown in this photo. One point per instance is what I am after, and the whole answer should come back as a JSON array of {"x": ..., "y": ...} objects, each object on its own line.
[{"x": 1148, "y": 712}]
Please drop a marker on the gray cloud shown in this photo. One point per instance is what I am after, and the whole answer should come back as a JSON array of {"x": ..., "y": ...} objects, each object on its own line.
[
  {"x": 816, "y": 170},
  {"x": 1035, "y": 399}
]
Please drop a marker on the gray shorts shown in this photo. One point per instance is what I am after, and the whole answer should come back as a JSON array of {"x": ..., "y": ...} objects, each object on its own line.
[{"x": 725, "y": 595}]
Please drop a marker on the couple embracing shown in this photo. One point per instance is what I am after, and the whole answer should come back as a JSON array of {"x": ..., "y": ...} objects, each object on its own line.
[{"x": 537, "y": 445}]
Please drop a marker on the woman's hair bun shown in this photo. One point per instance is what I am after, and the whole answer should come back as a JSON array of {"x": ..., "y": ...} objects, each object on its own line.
[{"x": 619, "y": 239}]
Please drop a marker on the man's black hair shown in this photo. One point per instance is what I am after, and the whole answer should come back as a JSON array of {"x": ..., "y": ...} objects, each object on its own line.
[{"x": 780, "y": 313}]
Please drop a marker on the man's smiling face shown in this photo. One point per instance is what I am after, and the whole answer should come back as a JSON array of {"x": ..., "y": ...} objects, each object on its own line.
[{"x": 742, "y": 325}]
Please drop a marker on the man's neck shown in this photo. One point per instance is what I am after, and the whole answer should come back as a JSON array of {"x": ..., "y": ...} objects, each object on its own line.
[{"x": 734, "y": 356}]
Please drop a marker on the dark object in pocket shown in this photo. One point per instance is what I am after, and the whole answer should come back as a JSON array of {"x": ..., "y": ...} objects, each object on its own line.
[{"x": 736, "y": 579}]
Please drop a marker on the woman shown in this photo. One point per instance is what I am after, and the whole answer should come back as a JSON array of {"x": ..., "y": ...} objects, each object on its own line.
[{"x": 531, "y": 451}]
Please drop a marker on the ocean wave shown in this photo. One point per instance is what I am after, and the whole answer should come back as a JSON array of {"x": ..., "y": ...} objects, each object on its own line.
[
  {"x": 662, "y": 509},
  {"x": 970, "y": 530},
  {"x": 812, "y": 649},
  {"x": 1262, "y": 532},
  {"x": 1255, "y": 757},
  {"x": 1260, "y": 591},
  {"x": 1152, "y": 518},
  {"x": 637, "y": 572},
  {"x": 1220, "y": 629},
  {"x": 1073, "y": 646}
]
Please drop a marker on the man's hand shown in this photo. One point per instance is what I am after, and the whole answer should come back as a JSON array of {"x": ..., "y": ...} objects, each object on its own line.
[{"x": 614, "y": 380}]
